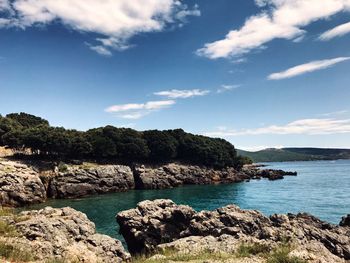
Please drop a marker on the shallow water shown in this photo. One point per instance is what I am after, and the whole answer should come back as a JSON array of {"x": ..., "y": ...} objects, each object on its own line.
[{"x": 321, "y": 188}]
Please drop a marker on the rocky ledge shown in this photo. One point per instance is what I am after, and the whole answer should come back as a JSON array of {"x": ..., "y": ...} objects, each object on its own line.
[
  {"x": 79, "y": 181},
  {"x": 160, "y": 224},
  {"x": 175, "y": 174},
  {"x": 22, "y": 184},
  {"x": 61, "y": 235}
]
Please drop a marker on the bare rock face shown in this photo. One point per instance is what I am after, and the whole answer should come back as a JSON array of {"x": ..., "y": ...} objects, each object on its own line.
[
  {"x": 174, "y": 174},
  {"x": 66, "y": 234},
  {"x": 98, "y": 179},
  {"x": 20, "y": 185},
  {"x": 163, "y": 222},
  {"x": 143, "y": 232}
]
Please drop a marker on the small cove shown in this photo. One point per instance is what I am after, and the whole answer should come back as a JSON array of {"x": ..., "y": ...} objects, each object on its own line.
[{"x": 321, "y": 188}]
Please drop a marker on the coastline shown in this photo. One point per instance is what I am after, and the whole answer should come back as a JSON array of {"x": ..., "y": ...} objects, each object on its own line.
[
  {"x": 161, "y": 231},
  {"x": 25, "y": 184}
]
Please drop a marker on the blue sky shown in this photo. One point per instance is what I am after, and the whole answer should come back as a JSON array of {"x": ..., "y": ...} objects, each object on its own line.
[{"x": 264, "y": 73}]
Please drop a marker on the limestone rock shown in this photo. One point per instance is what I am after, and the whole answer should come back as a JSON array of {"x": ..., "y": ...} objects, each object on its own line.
[
  {"x": 66, "y": 234},
  {"x": 20, "y": 184},
  {"x": 98, "y": 179},
  {"x": 158, "y": 222}
]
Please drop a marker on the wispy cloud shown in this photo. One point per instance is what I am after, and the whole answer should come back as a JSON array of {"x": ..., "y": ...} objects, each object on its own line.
[
  {"x": 307, "y": 68},
  {"x": 334, "y": 113},
  {"x": 279, "y": 19},
  {"x": 304, "y": 126},
  {"x": 225, "y": 88},
  {"x": 135, "y": 111},
  {"x": 182, "y": 94},
  {"x": 115, "y": 21},
  {"x": 338, "y": 31}
]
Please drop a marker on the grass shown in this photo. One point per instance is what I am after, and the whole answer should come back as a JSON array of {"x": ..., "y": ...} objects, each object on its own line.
[
  {"x": 6, "y": 211},
  {"x": 7, "y": 230},
  {"x": 279, "y": 254},
  {"x": 14, "y": 253},
  {"x": 247, "y": 250},
  {"x": 171, "y": 255}
]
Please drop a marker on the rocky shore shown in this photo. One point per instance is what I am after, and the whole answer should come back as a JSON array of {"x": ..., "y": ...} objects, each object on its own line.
[
  {"x": 57, "y": 235},
  {"x": 164, "y": 232},
  {"x": 23, "y": 184},
  {"x": 161, "y": 224}
]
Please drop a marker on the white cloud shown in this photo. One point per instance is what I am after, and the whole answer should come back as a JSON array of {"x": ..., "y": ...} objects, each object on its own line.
[
  {"x": 4, "y": 5},
  {"x": 283, "y": 19},
  {"x": 138, "y": 110},
  {"x": 304, "y": 126},
  {"x": 334, "y": 113},
  {"x": 116, "y": 21},
  {"x": 307, "y": 68},
  {"x": 338, "y": 31},
  {"x": 182, "y": 94},
  {"x": 225, "y": 88}
]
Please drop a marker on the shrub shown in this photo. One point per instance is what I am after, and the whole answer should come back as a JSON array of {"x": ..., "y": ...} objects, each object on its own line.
[
  {"x": 14, "y": 253},
  {"x": 247, "y": 250}
]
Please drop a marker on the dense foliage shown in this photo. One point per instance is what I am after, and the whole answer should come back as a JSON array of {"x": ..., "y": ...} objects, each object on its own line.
[{"x": 27, "y": 132}]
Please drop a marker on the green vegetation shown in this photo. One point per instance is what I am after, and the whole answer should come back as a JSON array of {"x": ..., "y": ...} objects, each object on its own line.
[
  {"x": 24, "y": 132},
  {"x": 171, "y": 255},
  {"x": 247, "y": 250},
  {"x": 279, "y": 254},
  {"x": 14, "y": 253},
  {"x": 295, "y": 154}
]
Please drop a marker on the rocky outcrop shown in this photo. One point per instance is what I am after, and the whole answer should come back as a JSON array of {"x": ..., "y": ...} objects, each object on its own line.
[
  {"x": 20, "y": 185},
  {"x": 64, "y": 234},
  {"x": 79, "y": 181},
  {"x": 345, "y": 221},
  {"x": 254, "y": 172},
  {"x": 158, "y": 222},
  {"x": 174, "y": 174}
]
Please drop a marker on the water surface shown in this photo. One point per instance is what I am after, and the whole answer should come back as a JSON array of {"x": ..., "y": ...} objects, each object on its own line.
[{"x": 321, "y": 188}]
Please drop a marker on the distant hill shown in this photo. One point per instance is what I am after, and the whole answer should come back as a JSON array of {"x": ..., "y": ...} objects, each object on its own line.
[{"x": 296, "y": 154}]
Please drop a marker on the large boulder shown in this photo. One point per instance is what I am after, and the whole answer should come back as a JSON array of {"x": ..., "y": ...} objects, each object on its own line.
[
  {"x": 79, "y": 181},
  {"x": 153, "y": 223},
  {"x": 65, "y": 234},
  {"x": 20, "y": 184}
]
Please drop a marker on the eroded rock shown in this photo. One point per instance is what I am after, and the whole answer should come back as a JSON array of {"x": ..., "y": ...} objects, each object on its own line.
[
  {"x": 158, "y": 222},
  {"x": 66, "y": 234},
  {"x": 175, "y": 174},
  {"x": 80, "y": 181},
  {"x": 20, "y": 184}
]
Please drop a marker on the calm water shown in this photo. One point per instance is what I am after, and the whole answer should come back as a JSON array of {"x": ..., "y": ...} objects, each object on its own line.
[{"x": 321, "y": 188}]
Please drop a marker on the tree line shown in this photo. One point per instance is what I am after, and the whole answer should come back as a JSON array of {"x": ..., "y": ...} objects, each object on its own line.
[{"x": 25, "y": 132}]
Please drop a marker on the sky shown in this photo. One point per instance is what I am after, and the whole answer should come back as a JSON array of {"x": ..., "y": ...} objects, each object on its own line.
[{"x": 259, "y": 73}]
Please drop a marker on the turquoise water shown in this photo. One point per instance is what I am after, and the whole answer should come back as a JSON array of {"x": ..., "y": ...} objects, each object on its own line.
[{"x": 321, "y": 188}]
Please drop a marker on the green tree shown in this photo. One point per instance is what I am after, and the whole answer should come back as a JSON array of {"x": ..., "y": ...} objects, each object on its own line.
[
  {"x": 162, "y": 145},
  {"x": 27, "y": 120}
]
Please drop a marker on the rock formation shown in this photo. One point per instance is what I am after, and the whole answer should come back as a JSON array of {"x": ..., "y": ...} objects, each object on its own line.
[
  {"x": 98, "y": 179},
  {"x": 162, "y": 223},
  {"x": 64, "y": 234},
  {"x": 20, "y": 184},
  {"x": 174, "y": 174}
]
